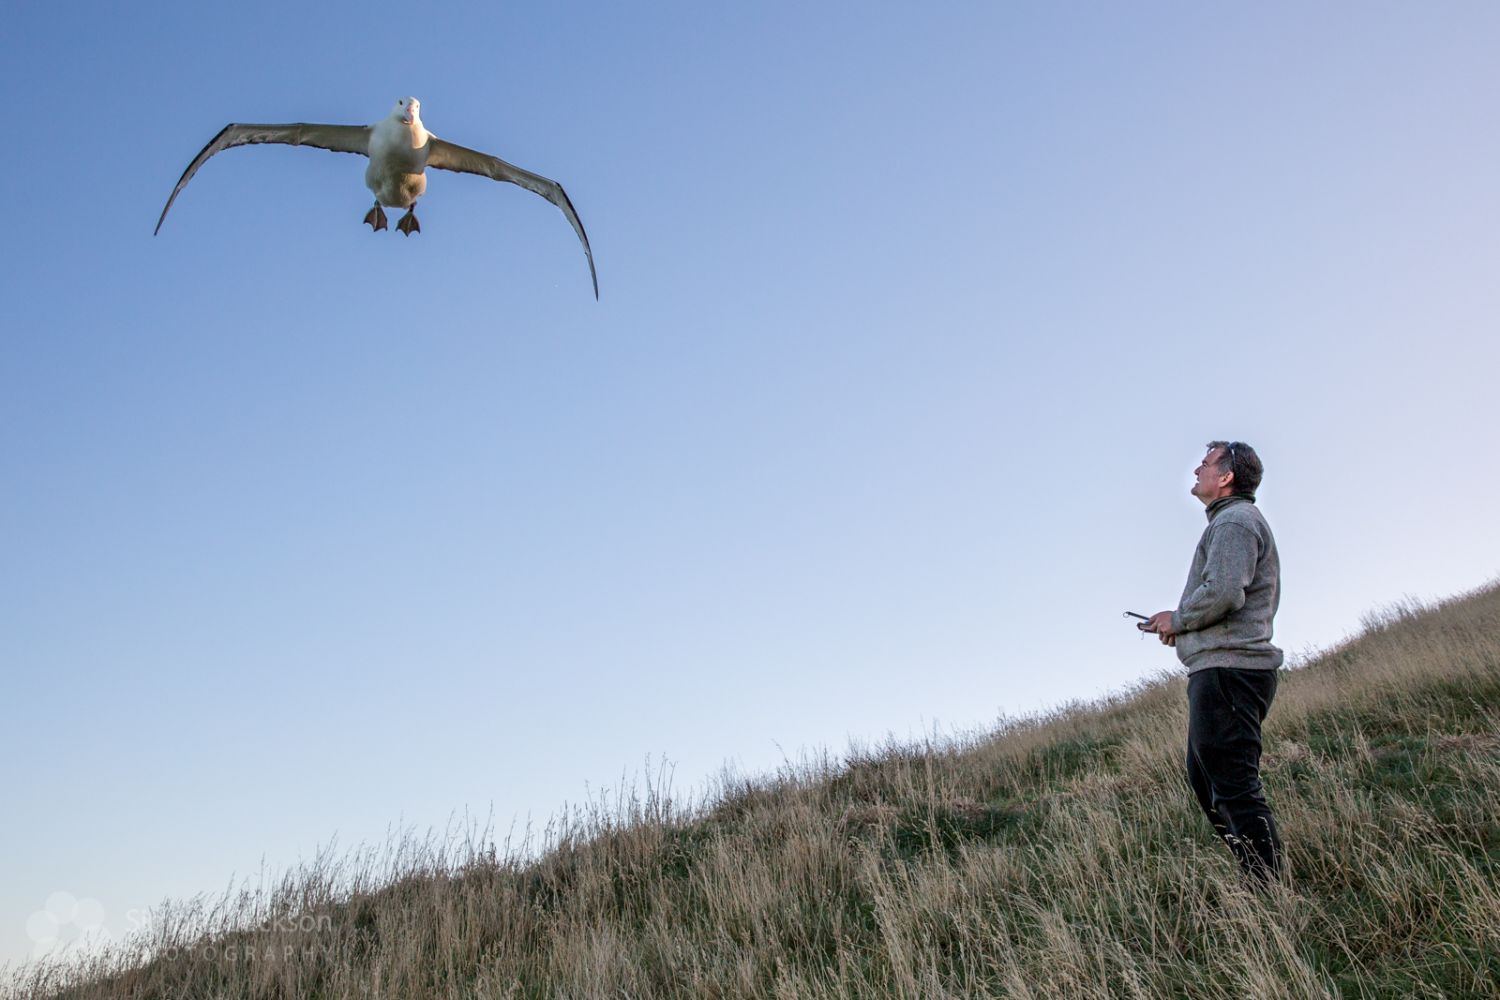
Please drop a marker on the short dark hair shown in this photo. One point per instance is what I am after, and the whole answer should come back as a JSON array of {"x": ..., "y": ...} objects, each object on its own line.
[{"x": 1240, "y": 459}]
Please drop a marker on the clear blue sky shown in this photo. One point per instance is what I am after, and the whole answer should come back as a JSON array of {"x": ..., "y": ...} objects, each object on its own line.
[{"x": 913, "y": 325}]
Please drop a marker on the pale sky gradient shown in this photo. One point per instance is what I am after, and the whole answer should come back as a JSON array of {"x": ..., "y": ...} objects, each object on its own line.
[{"x": 913, "y": 324}]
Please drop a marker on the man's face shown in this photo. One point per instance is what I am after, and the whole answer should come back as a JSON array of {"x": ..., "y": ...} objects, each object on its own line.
[{"x": 1209, "y": 483}]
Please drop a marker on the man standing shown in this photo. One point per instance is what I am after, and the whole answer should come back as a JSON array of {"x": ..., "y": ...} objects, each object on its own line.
[{"x": 1222, "y": 631}]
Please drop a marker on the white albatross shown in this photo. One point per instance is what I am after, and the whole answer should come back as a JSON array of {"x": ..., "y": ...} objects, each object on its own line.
[{"x": 400, "y": 150}]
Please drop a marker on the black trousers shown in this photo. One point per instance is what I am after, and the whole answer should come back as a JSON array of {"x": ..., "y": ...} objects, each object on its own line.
[{"x": 1225, "y": 710}]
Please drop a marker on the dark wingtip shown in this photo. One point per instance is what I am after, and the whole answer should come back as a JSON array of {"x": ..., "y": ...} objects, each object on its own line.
[{"x": 181, "y": 181}]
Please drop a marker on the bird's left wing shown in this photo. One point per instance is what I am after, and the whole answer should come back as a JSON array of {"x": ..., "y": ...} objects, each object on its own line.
[
  {"x": 339, "y": 138},
  {"x": 451, "y": 156}
]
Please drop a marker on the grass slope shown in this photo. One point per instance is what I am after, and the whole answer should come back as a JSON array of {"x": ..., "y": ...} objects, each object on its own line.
[{"x": 1058, "y": 857}]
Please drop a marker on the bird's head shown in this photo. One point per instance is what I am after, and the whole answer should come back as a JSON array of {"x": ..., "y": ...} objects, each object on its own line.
[{"x": 408, "y": 110}]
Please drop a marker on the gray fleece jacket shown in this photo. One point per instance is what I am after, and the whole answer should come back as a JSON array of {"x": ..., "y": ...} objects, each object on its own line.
[{"x": 1233, "y": 589}]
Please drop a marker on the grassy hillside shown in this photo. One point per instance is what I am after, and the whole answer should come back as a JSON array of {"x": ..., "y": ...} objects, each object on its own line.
[{"x": 1060, "y": 857}]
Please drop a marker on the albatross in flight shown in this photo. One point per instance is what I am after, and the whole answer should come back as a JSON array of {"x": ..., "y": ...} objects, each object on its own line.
[{"x": 400, "y": 150}]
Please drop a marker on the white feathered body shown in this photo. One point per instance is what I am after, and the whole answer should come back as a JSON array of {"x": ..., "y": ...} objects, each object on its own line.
[{"x": 398, "y": 159}]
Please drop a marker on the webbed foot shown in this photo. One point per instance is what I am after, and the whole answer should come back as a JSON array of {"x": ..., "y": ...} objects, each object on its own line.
[
  {"x": 375, "y": 218},
  {"x": 408, "y": 223}
]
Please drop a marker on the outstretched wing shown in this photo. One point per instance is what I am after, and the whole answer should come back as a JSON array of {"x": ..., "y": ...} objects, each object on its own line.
[
  {"x": 450, "y": 156},
  {"x": 339, "y": 138}
]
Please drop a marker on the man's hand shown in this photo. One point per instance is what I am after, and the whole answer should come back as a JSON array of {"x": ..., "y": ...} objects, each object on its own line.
[{"x": 1160, "y": 624}]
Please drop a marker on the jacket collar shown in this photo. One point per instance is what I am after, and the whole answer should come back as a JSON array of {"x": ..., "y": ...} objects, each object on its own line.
[{"x": 1213, "y": 509}]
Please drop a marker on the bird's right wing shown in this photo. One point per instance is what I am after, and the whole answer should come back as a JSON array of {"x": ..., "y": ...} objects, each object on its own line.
[
  {"x": 339, "y": 138},
  {"x": 460, "y": 159}
]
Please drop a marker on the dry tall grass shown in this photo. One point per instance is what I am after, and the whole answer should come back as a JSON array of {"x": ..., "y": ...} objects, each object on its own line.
[{"x": 1060, "y": 857}]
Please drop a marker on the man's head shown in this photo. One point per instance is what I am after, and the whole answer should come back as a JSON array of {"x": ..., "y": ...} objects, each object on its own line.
[{"x": 1229, "y": 467}]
